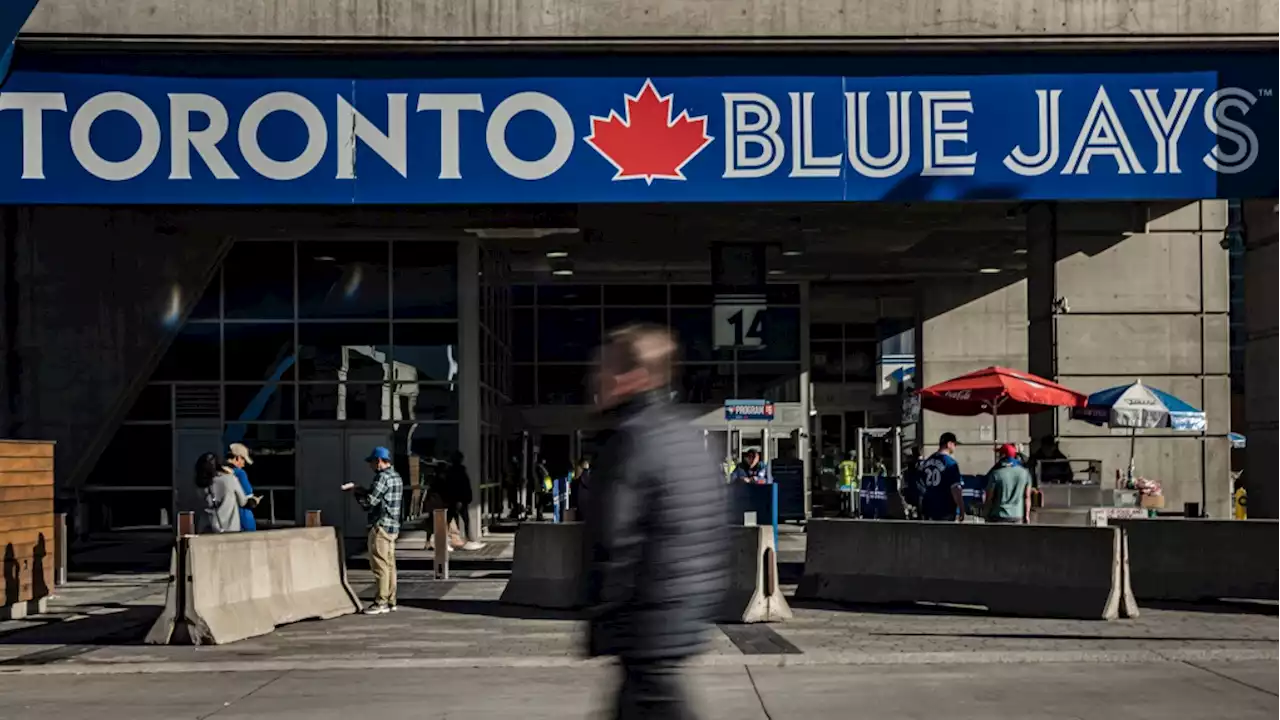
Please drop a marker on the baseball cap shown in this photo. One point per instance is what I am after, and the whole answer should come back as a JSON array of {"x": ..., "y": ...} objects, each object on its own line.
[
  {"x": 947, "y": 438},
  {"x": 379, "y": 453},
  {"x": 1008, "y": 451},
  {"x": 240, "y": 451}
]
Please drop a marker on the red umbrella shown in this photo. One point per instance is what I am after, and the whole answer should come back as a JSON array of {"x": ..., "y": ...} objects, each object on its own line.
[{"x": 998, "y": 390}]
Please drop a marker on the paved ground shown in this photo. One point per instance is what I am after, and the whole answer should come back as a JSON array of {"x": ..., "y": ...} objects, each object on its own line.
[{"x": 1240, "y": 691}]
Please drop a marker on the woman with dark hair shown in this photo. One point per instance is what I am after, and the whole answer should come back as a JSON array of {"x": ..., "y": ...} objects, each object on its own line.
[{"x": 223, "y": 496}]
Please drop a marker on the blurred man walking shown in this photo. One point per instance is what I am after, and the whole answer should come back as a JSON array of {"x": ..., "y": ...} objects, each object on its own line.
[{"x": 655, "y": 525}]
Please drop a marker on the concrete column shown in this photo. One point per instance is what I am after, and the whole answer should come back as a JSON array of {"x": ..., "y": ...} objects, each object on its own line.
[
  {"x": 965, "y": 325},
  {"x": 1260, "y": 359},
  {"x": 1127, "y": 291},
  {"x": 806, "y": 400},
  {"x": 469, "y": 405}
]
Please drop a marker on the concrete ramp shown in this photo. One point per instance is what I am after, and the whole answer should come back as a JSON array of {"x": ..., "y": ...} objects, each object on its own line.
[
  {"x": 753, "y": 595},
  {"x": 1193, "y": 560},
  {"x": 234, "y": 586},
  {"x": 549, "y": 569},
  {"x": 1028, "y": 570}
]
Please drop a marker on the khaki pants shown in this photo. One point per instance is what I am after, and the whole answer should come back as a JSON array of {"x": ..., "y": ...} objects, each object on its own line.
[{"x": 382, "y": 560}]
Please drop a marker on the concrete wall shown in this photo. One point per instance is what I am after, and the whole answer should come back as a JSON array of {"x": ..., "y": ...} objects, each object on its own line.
[
  {"x": 652, "y": 18},
  {"x": 97, "y": 295},
  {"x": 1142, "y": 293},
  {"x": 1260, "y": 360},
  {"x": 967, "y": 325}
]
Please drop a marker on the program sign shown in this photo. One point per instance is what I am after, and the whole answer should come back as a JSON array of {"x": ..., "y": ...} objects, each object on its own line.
[{"x": 126, "y": 139}]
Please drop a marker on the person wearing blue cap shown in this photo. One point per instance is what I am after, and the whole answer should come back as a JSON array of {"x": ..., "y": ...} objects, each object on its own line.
[{"x": 382, "y": 501}]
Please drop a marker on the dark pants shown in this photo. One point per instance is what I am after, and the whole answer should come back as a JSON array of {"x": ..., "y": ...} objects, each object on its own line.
[
  {"x": 459, "y": 512},
  {"x": 652, "y": 690}
]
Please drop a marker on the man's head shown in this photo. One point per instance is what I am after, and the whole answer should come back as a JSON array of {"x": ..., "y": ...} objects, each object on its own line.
[
  {"x": 1006, "y": 452},
  {"x": 947, "y": 442},
  {"x": 634, "y": 359},
  {"x": 238, "y": 455},
  {"x": 379, "y": 459},
  {"x": 752, "y": 457}
]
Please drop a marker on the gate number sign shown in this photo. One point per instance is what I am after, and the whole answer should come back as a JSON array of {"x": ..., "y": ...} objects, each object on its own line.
[{"x": 739, "y": 325}]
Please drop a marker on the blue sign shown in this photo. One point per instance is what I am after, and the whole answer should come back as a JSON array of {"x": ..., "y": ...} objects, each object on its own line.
[
  {"x": 748, "y": 410},
  {"x": 81, "y": 138}
]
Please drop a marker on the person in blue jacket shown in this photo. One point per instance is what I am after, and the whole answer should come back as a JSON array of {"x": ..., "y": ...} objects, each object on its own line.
[
  {"x": 752, "y": 470},
  {"x": 237, "y": 459}
]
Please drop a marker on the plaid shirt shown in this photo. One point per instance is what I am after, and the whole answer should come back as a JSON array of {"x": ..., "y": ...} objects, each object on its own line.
[{"x": 383, "y": 501}]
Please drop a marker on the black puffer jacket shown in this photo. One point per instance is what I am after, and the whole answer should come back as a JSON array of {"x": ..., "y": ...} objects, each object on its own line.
[{"x": 656, "y": 527}]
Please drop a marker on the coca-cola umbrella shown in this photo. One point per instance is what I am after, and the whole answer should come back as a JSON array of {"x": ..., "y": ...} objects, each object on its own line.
[{"x": 998, "y": 391}]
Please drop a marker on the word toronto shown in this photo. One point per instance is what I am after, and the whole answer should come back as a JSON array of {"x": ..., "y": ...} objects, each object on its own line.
[{"x": 760, "y": 135}]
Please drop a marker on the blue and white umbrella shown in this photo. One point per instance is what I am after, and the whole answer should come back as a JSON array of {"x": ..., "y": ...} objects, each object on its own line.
[{"x": 1139, "y": 406}]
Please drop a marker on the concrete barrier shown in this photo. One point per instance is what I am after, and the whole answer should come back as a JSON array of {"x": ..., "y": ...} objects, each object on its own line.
[
  {"x": 1028, "y": 570},
  {"x": 549, "y": 568},
  {"x": 753, "y": 595},
  {"x": 1192, "y": 560},
  {"x": 233, "y": 586}
]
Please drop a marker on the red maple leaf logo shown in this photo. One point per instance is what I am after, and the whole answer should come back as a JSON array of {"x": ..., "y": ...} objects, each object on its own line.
[{"x": 648, "y": 143}]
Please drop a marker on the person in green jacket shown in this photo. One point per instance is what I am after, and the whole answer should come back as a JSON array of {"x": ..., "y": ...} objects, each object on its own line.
[{"x": 1007, "y": 498}]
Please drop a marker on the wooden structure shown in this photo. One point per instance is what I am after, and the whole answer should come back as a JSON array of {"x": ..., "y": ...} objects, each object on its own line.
[{"x": 27, "y": 538}]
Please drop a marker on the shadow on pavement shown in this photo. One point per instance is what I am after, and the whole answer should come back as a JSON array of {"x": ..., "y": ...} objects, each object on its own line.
[
  {"x": 892, "y": 608},
  {"x": 68, "y": 638},
  {"x": 493, "y": 608},
  {"x": 1226, "y": 607},
  {"x": 1070, "y": 636}
]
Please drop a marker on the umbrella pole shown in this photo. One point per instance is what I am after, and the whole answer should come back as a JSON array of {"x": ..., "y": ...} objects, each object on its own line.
[{"x": 1133, "y": 446}]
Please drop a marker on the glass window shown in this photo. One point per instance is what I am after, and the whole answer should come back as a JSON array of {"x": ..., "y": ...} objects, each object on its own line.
[
  {"x": 426, "y": 351},
  {"x": 522, "y": 335},
  {"x": 343, "y": 351},
  {"x": 277, "y": 507},
  {"x": 616, "y": 317},
  {"x": 779, "y": 382},
  {"x": 207, "y": 307},
  {"x": 193, "y": 355},
  {"x": 691, "y": 295},
  {"x": 344, "y": 401},
  {"x": 153, "y": 403},
  {"x": 258, "y": 351},
  {"x": 557, "y": 294},
  {"x": 860, "y": 331},
  {"x": 826, "y": 331},
  {"x": 258, "y": 281},
  {"x": 425, "y": 279},
  {"x": 693, "y": 329},
  {"x": 522, "y": 389},
  {"x": 781, "y": 336},
  {"x": 274, "y": 449},
  {"x": 259, "y": 403},
  {"x": 566, "y": 335},
  {"x": 826, "y": 361},
  {"x": 119, "y": 510},
  {"x": 635, "y": 294},
  {"x": 860, "y": 361},
  {"x": 786, "y": 294},
  {"x": 138, "y": 455},
  {"x": 522, "y": 294},
  {"x": 706, "y": 384},
  {"x": 430, "y": 445},
  {"x": 563, "y": 384},
  {"x": 426, "y": 401},
  {"x": 342, "y": 280}
]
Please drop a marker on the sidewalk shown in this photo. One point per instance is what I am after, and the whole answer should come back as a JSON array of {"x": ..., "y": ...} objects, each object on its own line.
[{"x": 1209, "y": 691}]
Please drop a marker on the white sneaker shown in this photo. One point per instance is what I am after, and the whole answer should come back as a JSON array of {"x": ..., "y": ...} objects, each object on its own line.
[
  {"x": 473, "y": 545},
  {"x": 377, "y": 609}
]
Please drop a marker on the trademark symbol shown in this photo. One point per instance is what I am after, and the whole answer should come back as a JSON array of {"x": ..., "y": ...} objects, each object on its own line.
[{"x": 1266, "y": 92}]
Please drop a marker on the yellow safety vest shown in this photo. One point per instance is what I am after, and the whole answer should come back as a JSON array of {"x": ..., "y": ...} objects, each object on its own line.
[
  {"x": 848, "y": 473},
  {"x": 1240, "y": 504}
]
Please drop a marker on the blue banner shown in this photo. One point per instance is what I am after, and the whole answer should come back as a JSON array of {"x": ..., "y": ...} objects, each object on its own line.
[
  {"x": 748, "y": 410},
  {"x": 81, "y": 138}
]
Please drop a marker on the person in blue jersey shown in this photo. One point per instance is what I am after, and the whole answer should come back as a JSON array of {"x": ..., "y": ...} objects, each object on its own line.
[
  {"x": 943, "y": 496},
  {"x": 752, "y": 470}
]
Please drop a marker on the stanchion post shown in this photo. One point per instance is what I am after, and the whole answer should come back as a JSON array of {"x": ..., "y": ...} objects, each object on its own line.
[
  {"x": 59, "y": 549},
  {"x": 186, "y": 523},
  {"x": 313, "y": 518},
  {"x": 440, "y": 537}
]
